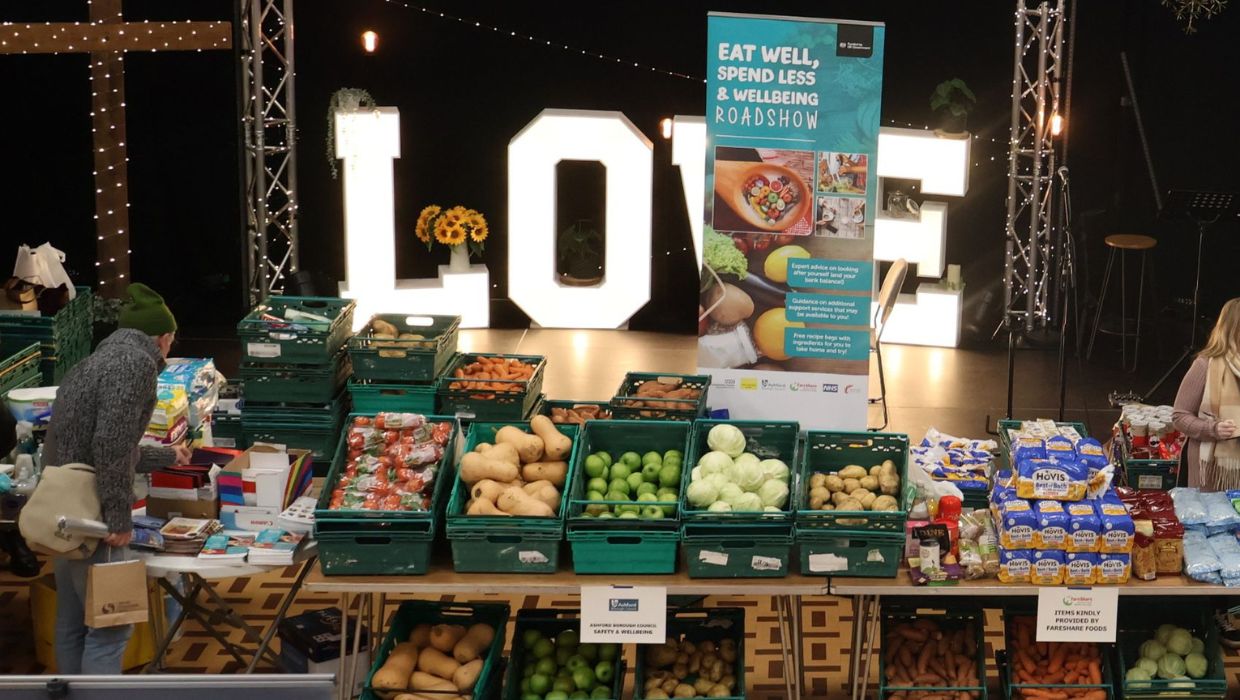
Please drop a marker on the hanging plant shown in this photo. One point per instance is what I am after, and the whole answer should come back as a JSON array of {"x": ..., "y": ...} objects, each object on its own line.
[
  {"x": 1189, "y": 11},
  {"x": 346, "y": 99}
]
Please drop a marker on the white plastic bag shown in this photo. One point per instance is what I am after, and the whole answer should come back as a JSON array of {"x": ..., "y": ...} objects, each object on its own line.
[{"x": 43, "y": 266}]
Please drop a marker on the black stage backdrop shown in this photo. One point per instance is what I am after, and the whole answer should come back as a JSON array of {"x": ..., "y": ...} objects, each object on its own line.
[{"x": 463, "y": 93}]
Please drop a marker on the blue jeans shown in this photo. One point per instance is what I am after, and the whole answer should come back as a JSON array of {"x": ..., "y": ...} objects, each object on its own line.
[{"x": 91, "y": 651}]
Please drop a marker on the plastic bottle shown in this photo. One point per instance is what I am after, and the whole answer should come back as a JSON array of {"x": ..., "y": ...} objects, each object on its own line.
[
  {"x": 949, "y": 515},
  {"x": 24, "y": 477}
]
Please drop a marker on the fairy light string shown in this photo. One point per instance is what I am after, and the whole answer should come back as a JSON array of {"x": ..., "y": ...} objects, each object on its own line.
[{"x": 542, "y": 41}]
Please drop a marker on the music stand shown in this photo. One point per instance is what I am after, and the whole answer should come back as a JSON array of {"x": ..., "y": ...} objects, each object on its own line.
[{"x": 1204, "y": 209}]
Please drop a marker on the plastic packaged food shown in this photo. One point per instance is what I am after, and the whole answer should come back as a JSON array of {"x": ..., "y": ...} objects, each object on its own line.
[
  {"x": 1117, "y": 528},
  {"x": 1048, "y": 567},
  {"x": 1188, "y": 506},
  {"x": 1168, "y": 546},
  {"x": 1017, "y": 524},
  {"x": 1144, "y": 560},
  {"x": 1227, "y": 550},
  {"x": 1084, "y": 528},
  {"x": 1015, "y": 565},
  {"x": 1199, "y": 558},
  {"x": 1114, "y": 568},
  {"x": 1052, "y": 527},
  {"x": 979, "y": 553},
  {"x": 1080, "y": 568},
  {"x": 1055, "y": 479},
  {"x": 392, "y": 463},
  {"x": 1028, "y": 448},
  {"x": 1220, "y": 513}
]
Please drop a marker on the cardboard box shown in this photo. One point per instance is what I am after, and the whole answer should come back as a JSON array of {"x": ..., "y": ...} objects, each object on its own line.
[
  {"x": 310, "y": 643},
  {"x": 167, "y": 508},
  {"x": 255, "y": 518}
]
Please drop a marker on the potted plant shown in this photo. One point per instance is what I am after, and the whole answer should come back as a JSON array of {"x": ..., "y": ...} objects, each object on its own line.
[
  {"x": 581, "y": 255},
  {"x": 463, "y": 230},
  {"x": 952, "y": 101},
  {"x": 343, "y": 100}
]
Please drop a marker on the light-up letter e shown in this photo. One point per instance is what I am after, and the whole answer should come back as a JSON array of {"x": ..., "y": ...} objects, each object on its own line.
[
  {"x": 367, "y": 140},
  {"x": 611, "y": 139}
]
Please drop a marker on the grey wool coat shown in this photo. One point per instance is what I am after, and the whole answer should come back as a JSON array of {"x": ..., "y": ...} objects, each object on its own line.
[{"x": 102, "y": 409}]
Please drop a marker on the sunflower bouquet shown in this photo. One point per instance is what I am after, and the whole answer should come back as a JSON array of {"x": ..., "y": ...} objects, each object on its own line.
[{"x": 452, "y": 227}]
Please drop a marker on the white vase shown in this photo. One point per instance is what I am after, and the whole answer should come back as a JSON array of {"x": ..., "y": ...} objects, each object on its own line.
[{"x": 458, "y": 261}]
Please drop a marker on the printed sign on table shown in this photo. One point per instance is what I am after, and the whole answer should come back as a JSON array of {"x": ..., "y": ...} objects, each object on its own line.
[
  {"x": 1077, "y": 614},
  {"x": 792, "y": 112},
  {"x": 623, "y": 614}
]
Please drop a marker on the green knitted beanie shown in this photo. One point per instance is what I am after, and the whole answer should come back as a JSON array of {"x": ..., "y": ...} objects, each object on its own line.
[{"x": 145, "y": 311}]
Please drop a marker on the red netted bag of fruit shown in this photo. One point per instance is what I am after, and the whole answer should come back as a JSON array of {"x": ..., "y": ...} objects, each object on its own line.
[{"x": 391, "y": 463}]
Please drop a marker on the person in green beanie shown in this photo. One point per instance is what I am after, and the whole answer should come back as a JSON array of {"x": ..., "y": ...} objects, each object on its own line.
[{"x": 103, "y": 406}]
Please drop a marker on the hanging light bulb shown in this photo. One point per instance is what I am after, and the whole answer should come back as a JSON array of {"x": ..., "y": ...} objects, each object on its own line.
[
  {"x": 665, "y": 127},
  {"x": 370, "y": 41},
  {"x": 1056, "y": 124}
]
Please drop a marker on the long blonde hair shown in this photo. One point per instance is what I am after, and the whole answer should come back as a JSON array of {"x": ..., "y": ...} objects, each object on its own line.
[{"x": 1225, "y": 338}]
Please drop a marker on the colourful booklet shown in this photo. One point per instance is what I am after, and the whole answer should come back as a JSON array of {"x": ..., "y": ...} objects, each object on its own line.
[{"x": 226, "y": 546}]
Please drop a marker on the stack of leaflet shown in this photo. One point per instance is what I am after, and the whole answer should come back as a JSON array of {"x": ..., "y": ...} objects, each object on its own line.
[
  {"x": 146, "y": 533},
  {"x": 260, "y": 484},
  {"x": 197, "y": 378},
  {"x": 195, "y": 481},
  {"x": 275, "y": 547},
  {"x": 170, "y": 419},
  {"x": 227, "y": 547},
  {"x": 298, "y": 517},
  {"x": 187, "y": 535}
]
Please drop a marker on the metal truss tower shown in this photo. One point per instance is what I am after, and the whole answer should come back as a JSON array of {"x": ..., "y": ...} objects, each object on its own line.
[
  {"x": 1028, "y": 269},
  {"x": 265, "y": 41}
]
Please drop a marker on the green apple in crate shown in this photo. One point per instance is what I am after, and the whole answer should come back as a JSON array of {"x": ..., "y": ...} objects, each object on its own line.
[
  {"x": 561, "y": 668},
  {"x": 652, "y": 479}
]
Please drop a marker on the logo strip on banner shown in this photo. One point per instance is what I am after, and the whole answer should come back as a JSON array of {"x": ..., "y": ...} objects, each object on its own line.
[{"x": 792, "y": 112}]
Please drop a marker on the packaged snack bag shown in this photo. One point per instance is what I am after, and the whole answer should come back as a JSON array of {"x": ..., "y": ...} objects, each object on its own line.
[
  {"x": 1051, "y": 479},
  {"x": 1060, "y": 448},
  {"x": 1015, "y": 565},
  {"x": 1028, "y": 448},
  {"x": 1048, "y": 567},
  {"x": 1089, "y": 451},
  {"x": 1016, "y": 524},
  {"x": 1080, "y": 568},
  {"x": 1052, "y": 528},
  {"x": 1117, "y": 528},
  {"x": 1114, "y": 568},
  {"x": 1084, "y": 528}
]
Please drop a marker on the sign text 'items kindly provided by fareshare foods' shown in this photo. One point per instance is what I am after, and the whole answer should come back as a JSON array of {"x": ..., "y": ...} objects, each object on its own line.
[{"x": 1077, "y": 614}]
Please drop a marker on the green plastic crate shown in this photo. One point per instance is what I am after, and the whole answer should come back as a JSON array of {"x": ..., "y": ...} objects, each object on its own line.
[
  {"x": 370, "y": 396},
  {"x": 828, "y": 452},
  {"x": 361, "y": 520},
  {"x": 491, "y": 405},
  {"x": 1144, "y": 474},
  {"x": 766, "y": 440},
  {"x": 300, "y": 342},
  {"x": 412, "y": 613},
  {"x": 64, "y": 339},
  {"x": 1012, "y": 690},
  {"x": 226, "y": 431},
  {"x": 550, "y": 622},
  {"x": 949, "y": 619},
  {"x": 503, "y": 544},
  {"x": 626, "y": 405},
  {"x": 374, "y": 553},
  {"x": 420, "y": 360},
  {"x": 19, "y": 369},
  {"x": 840, "y": 553},
  {"x": 623, "y": 552},
  {"x": 308, "y": 427},
  {"x": 1138, "y": 621},
  {"x": 729, "y": 551},
  {"x": 701, "y": 625},
  {"x": 309, "y": 384}
]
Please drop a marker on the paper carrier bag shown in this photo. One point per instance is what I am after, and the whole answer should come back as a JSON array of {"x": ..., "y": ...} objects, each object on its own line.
[{"x": 116, "y": 594}]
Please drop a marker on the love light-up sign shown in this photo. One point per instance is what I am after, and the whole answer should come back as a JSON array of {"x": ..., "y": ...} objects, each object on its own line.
[{"x": 611, "y": 139}]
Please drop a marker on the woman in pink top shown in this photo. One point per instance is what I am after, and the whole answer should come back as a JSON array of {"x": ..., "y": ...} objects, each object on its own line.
[{"x": 1207, "y": 407}]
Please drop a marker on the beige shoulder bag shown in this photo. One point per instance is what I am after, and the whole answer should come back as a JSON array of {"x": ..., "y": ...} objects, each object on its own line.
[{"x": 62, "y": 491}]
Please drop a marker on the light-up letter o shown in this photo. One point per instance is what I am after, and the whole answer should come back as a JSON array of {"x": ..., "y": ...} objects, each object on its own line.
[{"x": 611, "y": 139}]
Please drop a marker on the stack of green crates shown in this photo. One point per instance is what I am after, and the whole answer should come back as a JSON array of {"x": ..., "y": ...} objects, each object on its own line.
[
  {"x": 484, "y": 544},
  {"x": 378, "y": 542},
  {"x": 848, "y": 543},
  {"x": 64, "y": 339},
  {"x": 293, "y": 370},
  {"x": 699, "y": 625},
  {"x": 627, "y": 404},
  {"x": 623, "y": 545},
  {"x": 480, "y": 405},
  {"x": 400, "y": 375},
  {"x": 549, "y": 624},
  {"x": 20, "y": 370},
  {"x": 412, "y": 613},
  {"x": 738, "y": 544}
]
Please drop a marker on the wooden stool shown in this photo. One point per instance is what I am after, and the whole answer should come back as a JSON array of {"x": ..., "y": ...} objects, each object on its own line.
[{"x": 1120, "y": 244}]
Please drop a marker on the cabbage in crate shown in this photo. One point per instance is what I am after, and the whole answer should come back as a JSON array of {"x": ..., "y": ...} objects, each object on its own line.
[
  {"x": 729, "y": 479},
  {"x": 1174, "y": 654}
]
